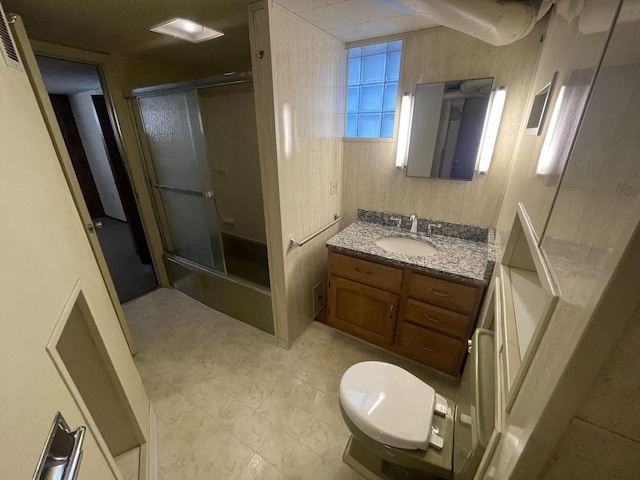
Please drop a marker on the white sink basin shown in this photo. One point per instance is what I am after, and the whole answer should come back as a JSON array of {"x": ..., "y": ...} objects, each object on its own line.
[{"x": 406, "y": 246}]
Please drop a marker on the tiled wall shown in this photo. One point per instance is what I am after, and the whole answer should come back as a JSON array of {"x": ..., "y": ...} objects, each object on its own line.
[{"x": 371, "y": 179}]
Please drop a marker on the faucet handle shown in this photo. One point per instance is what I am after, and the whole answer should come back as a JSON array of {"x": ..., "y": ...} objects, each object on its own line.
[
  {"x": 433, "y": 225},
  {"x": 396, "y": 219}
]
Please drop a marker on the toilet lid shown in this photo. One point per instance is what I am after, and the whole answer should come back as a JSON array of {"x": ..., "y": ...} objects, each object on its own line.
[{"x": 388, "y": 404}]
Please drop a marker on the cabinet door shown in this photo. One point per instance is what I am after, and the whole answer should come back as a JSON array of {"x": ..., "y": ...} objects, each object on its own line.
[{"x": 364, "y": 311}]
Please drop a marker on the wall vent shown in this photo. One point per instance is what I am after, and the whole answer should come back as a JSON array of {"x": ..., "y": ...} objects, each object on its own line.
[{"x": 8, "y": 46}]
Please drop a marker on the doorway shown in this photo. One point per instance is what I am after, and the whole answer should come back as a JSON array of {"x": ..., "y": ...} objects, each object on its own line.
[{"x": 75, "y": 90}]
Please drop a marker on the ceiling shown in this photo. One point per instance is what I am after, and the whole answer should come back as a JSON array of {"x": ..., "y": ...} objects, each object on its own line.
[
  {"x": 353, "y": 20},
  {"x": 121, "y": 27}
]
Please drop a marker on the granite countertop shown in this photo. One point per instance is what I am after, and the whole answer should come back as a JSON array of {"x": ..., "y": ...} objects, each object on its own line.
[{"x": 469, "y": 260}]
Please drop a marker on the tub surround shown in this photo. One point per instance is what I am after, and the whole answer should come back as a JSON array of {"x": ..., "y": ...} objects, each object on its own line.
[{"x": 465, "y": 252}]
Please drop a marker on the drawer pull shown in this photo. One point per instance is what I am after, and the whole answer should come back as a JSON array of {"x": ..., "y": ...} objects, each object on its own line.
[
  {"x": 362, "y": 270},
  {"x": 391, "y": 311},
  {"x": 440, "y": 293},
  {"x": 434, "y": 320},
  {"x": 425, "y": 348}
]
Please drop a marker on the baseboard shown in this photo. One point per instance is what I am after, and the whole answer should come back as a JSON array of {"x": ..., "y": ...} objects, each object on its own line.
[{"x": 149, "y": 451}]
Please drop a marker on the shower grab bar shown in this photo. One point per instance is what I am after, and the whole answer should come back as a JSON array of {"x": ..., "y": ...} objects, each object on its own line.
[
  {"x": 195, "y": 193},
  {"x": 293, "y": 241}
]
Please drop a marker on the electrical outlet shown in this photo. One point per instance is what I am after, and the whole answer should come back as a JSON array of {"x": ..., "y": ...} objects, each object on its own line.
[
  {"x": 334, "y": 187},
  {"x": 318, "y": 297}
]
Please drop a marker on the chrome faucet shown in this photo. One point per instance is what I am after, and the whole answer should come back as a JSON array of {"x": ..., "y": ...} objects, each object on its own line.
[{"x": 414, "y": 222}]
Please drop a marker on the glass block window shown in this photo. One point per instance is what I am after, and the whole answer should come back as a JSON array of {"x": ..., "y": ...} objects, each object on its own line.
[{"x": 372, "y": 89}]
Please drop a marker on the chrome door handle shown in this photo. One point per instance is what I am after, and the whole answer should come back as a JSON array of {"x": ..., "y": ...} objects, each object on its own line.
[{"x": 62, "y": 453}]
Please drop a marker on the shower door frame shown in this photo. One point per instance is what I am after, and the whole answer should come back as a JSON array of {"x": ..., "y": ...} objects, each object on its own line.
[{"x": 242, "y": 300}]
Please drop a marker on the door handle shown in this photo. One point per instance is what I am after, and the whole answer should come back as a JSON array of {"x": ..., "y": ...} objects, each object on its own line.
[
  {"x": 62, "y": 453},
  {"x": 91, "y": 227}
]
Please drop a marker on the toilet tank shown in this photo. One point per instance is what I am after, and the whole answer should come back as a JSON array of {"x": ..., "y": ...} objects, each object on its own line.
[{"x": 476, "y": 406}]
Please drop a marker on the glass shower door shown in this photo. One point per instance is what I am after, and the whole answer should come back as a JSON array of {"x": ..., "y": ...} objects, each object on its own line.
[{"x": 180, "y": 176}]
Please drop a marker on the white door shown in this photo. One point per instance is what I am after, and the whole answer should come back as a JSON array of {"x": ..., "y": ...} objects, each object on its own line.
[{"x": 44, "y": 258}]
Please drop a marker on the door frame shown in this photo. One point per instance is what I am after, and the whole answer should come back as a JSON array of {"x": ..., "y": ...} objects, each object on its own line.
[{"x": 31, "y": 68}]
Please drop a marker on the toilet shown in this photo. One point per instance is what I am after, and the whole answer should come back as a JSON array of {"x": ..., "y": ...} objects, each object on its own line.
[{"x": 402, "y": 429}]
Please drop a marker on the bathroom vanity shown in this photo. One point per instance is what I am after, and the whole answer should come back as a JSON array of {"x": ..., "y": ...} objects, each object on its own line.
[{"x": 422, "y": 307}]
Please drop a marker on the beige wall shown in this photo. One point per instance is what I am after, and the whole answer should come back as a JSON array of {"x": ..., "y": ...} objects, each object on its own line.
[
  {"x": 576, "y": 414},
  {"x": 572, "y": 48},
  {"x": 45, "y": 257},
  {"x": 229, "y": 122},
  {"x": 309, "y": 74},
  {"x": 371, "y": 179},
  {"x": 308, "y": 77},
  {"x": 94, "y": 146}
]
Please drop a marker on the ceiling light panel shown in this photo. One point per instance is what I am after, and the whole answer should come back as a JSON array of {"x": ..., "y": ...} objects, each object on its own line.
[{"x": 186, "y": 30}]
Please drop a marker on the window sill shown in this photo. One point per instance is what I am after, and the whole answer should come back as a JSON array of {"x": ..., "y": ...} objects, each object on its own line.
[{"x": 369, "y": 139}]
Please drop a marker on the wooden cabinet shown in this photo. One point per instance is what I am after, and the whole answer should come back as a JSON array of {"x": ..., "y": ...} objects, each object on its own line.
[
  {"x": 363, "y": 311},
  {"x": 421, "y": 316}
]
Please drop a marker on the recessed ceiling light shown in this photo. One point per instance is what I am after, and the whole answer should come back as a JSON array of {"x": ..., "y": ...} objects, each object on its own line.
[{"x": 186, "y": 30}]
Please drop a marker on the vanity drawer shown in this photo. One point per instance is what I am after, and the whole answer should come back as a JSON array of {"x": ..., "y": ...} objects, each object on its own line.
[
  {"x": 443, "y": 293},
  {"x": 363, "y": 271},
  {"x": 436, "y": 318},
  {"x": 434, "y": 349}
]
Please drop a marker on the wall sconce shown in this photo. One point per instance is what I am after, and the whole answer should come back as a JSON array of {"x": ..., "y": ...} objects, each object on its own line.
[
  {"x": 553, "y": 145},
  {"x": 490, "y": 131},
  {"x": 403, "y": 130}
]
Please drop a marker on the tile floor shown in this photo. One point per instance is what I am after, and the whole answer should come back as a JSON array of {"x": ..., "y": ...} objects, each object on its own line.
[{"x": 232, "y": 404}]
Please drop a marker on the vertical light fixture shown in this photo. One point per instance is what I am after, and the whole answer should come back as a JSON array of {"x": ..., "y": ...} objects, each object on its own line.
[
  {"x": 490, "y": 131},
  {"x": 550, "y": 148},
  {"x": 403, "y": 131}
]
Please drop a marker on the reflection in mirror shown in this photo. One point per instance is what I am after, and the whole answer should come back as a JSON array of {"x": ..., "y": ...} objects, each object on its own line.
[
  {"x": 563, "y": 126},
  {"x": 446, "y": 128}
]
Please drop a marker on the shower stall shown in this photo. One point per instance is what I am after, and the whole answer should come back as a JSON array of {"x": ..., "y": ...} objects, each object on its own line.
[{"x": 202, "y": 163}]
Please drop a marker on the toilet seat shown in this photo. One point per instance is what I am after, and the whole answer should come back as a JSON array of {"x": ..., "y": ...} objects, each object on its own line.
[{"x": 388, "y": 404}]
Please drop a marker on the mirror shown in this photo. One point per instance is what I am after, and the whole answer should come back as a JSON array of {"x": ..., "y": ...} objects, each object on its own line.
[{"x": 446, "y": 128}]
